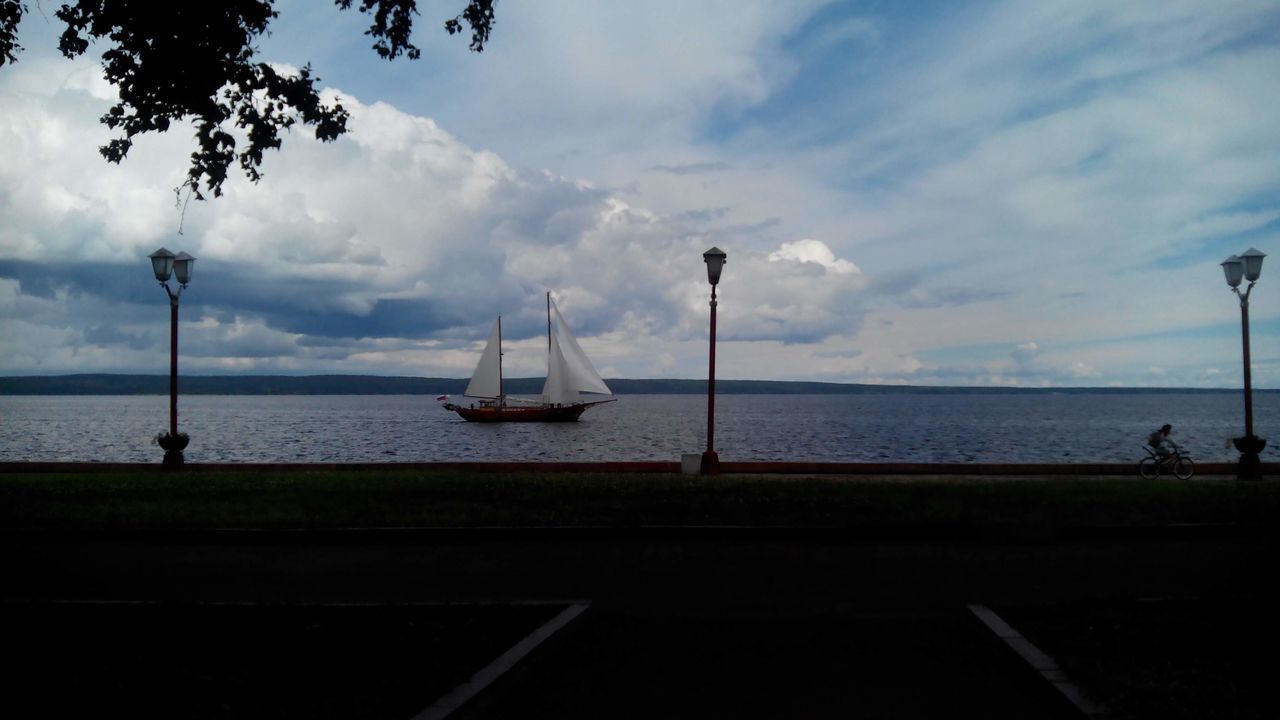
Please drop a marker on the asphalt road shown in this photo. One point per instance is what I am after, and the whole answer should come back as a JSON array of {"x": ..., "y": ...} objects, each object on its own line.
[{"x": 710, "y": 625}]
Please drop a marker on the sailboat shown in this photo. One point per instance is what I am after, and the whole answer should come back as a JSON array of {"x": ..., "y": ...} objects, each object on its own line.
[{"x": 569, "y": 374}]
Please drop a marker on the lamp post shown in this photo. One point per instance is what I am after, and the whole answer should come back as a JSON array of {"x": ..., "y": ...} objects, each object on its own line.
[
  {"x": 1247, "y": 266},
  {"x": 715, "y": 259},
  {"x": 164, "y": 264}
]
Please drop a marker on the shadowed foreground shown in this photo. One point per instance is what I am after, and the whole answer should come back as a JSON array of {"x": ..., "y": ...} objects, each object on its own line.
[{"x": 861, "y": 619}]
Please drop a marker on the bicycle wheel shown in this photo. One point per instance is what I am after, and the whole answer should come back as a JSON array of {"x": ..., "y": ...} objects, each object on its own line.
[
  {"x": 1184, "y": 468},
  {"x": 1149, "y": 469}
]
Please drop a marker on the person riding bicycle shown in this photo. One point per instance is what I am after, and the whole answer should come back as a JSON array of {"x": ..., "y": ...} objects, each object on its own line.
[
  {"x": 1165, "y": 456},
  {"x": 1159, "y": 440}
]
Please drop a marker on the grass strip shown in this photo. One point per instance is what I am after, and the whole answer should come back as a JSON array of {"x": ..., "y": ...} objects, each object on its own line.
[{"x": 398, "y": 498}]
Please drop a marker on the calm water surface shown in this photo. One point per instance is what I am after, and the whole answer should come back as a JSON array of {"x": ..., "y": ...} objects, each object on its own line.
[{"x": 413, "y": 428}]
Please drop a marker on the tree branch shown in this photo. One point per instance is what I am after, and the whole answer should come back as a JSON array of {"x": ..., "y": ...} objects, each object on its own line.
[{"x": 196, "y": 61}]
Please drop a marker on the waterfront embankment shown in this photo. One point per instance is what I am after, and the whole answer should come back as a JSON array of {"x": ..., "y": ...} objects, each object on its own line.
[{"x": 623, "y": 495}]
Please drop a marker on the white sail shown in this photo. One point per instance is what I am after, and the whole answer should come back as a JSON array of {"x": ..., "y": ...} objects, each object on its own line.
[
  {"x": 486, "y": 381},
  {"x": 569, "y": 371},
  {"x": 558, "y": 390}
]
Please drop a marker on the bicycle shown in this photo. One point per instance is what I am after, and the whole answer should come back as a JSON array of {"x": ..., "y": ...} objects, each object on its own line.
[{"x": 1180, "y": 465}]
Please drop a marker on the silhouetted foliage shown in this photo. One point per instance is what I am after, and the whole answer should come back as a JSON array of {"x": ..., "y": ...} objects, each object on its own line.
[
  {"x": 196, "y": 60},
  {"x": 10, "y": 14},
  {"x": 479, "y": 16}
]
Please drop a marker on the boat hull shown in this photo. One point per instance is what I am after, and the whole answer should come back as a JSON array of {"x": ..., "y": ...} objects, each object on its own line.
[{"x": 508, "y": 413}]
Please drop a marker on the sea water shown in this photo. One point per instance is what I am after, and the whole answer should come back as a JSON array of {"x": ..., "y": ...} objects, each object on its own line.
[{"x": 998, "y": 428}]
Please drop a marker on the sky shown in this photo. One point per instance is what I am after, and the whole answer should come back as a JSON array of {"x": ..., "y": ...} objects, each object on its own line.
[{"x": 929, "y": 193}]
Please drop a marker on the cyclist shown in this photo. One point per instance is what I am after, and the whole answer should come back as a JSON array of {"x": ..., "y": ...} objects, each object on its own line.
[{"x": 1159, "y": 440}]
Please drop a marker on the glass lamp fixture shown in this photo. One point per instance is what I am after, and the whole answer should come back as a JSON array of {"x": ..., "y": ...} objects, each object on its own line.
[
  {"x": 162, "y": 263},
  {"x": 715, "y": 259},
  {"x": 182, "y": 266},
  {"x": 1252, "y": 259}
]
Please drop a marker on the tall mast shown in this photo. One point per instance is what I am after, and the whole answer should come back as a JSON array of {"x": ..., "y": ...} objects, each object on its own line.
[
  {"x": 501, "y": 396},
  {"x": 548, "y": 327}
]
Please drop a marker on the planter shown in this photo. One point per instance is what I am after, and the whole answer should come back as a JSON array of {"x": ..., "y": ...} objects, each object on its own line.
[
  {"x": 177, "y": 442},
  {"x": 1249, "y": 444},
  {"x": 1250, "y": 464}
]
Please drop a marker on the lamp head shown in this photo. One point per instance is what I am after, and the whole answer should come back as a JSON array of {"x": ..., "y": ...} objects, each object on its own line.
[
  {"x": 1252, "y": 259},
  {"x": 162, "y": 264},
  {"x": 182, "y": 265},
  {"x": 715, "y": 259},
  {"x": 1233, "y": 268}
]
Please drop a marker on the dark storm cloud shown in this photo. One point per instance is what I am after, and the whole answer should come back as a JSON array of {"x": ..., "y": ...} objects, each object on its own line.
[
  {"x": 310, "y": 306},
  {"x": 40, "y": 286},
  {"x": 112, "y": 282},
  {"x": 305, "y": 306}
]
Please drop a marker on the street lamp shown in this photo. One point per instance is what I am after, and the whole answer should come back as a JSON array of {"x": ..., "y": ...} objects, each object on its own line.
[
  {"x": 1247, "y": 266},
  {"x": 714, "y": 258},
  {"x": 164, "y": 264}
]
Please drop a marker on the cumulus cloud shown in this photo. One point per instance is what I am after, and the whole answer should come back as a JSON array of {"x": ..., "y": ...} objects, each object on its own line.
[
  {"x": 799, "y": 293},
  {"x": 809, "y": 250},
  {"x": 393, "y": 246}
]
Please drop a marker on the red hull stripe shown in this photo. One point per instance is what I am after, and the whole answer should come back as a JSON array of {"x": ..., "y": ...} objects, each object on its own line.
[{"x": 567, "y": 413}]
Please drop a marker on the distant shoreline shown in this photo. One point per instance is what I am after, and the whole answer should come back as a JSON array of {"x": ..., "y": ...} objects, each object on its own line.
[{"x": 121, "y": 384}]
